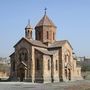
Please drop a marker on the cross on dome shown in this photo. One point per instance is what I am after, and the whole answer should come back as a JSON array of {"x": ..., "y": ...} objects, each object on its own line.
[{"x": 45, "y": 10}]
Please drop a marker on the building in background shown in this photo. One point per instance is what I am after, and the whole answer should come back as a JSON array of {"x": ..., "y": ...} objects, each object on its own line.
[
  {"x": 44, "y": 59},
  {"x": 4, "y": 68},
  {"x": 84, "y": 62}
]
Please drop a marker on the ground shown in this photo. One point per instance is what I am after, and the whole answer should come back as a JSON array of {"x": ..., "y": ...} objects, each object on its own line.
[{"x": 76, "y": 85}]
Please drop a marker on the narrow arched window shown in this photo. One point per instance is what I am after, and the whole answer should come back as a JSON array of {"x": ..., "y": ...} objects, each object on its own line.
[
  {"x": 13, "y": 65},
  {"x": 65, "y": 73},
  {"x": 31, "y": 33},
  {"x": 28, "y": 31},
  {"x": 56, "y": 65},
  {"x": 53, "y": 36},
  {"x": 47, "y": 35},
  {"x": 39, "y": 35},
  {"x": 38, "y": 64},
  {"x": 65, "y": 58},
  {"x": 69, "y": 59},
  {"x": 48, "y": 64},
  {"x": 23, "y": 54}
]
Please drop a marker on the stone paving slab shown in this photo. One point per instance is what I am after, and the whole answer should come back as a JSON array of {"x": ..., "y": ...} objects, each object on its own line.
[{"x": 76, "y": 85}]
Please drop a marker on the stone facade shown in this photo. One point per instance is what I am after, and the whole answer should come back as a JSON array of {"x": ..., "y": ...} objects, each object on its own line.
[{"x": 44, "y": 59}]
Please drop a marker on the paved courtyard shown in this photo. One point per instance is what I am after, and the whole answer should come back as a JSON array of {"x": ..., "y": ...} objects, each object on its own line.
[{"x": 77, "y": 85}]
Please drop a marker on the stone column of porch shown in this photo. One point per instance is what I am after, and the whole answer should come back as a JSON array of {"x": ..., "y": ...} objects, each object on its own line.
[{"x": 33, "y": 65}]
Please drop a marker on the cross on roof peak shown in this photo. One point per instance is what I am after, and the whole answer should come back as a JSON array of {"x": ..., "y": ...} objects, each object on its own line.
[
  {"x": 28, "y": 21},
  {"x": 45, "y": 10}
]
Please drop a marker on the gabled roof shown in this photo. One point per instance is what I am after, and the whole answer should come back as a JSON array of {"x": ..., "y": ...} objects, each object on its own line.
[
  {"x": 45, "y": 21},
  {"x": 59, "y": 44},
  {"x": 12, "y": 54},
  {"x": 46, "y": 52},
  {"x": 33, "y": 42}
]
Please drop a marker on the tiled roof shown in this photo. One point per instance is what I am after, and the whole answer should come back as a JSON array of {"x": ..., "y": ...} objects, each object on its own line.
[
  {"x": 46, "y": 52},
  {"x": 40, "y": 44},
  {"x": 59, "y": 44},
  {"x": 37, "y": 43},
  {"x": 33, "y": 42},
  {"x": 45, "y": 21}
]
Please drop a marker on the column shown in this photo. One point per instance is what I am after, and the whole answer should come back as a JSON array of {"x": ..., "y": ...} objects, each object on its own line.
[{"x": 25, "y": 74}]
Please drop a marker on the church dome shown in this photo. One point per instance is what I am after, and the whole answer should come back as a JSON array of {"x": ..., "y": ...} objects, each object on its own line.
[
  {"x": 45, "y": 21},
  {"x": 28, "y": 25}
]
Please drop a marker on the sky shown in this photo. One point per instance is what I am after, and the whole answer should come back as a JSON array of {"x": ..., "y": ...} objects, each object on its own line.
[{"x": 72, "y": 18}]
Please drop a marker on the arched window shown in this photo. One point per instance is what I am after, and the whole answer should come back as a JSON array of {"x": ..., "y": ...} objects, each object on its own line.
[
  {"x": 39, "y": 35},
  {"x": 28, "y": 31},
  {"x": 56, "y": 65},
  {"x": 48, "y": 64},
  {"x": 53, "y": 36},
  {"x": 31, "y": 33},
  {"x": 65, "y": 58},
  {"x": 13, "y": 66},
  {"x": 47, "y": 35},
  {"x": 65, "y": 73},
  {"x": 69, "y": 59},
  {"x": 20, "y": 57},
  {"x": 38, "y": 64},
  {"x": 23, "y": 54}
]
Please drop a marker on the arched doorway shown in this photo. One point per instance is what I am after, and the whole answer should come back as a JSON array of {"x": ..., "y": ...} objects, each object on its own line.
[{"x": 22, "y": 74}]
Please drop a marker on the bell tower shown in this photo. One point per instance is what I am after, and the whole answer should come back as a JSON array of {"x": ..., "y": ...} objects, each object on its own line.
[
  {"x": 45, "y": 30},
  {"x": 28, "y": 31}
]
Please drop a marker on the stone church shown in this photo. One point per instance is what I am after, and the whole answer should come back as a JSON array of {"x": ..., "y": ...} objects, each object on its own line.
[{"x": 44, "y": 59}]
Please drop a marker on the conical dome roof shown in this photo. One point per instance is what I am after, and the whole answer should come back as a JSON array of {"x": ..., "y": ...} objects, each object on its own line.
[
  {"x": 45, "y": 21},
  {"x": 28, "y": 25}
]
